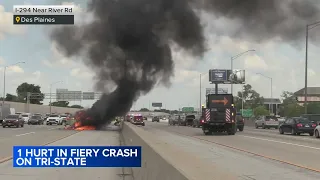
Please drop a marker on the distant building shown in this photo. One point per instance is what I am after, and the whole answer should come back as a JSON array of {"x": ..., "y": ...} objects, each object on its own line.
[
  {"x": 272, "y": 104},
  {"x": 313, "y": 95}
]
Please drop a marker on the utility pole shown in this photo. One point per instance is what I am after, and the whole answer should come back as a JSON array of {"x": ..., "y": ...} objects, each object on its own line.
[{"x": 235, "y": 57}]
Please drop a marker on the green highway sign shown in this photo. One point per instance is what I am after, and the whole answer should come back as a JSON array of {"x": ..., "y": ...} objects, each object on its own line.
[
  {"x": 187, "y": 109},
  {"x": 247, "y": 113}
]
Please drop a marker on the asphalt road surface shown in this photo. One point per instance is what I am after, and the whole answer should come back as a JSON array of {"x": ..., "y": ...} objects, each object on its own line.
[
  {"x": 55, "y": 136},
  {"x": 261, "y": 154}
]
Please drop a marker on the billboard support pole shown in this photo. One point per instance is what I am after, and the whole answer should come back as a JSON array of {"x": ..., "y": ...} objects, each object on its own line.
[{"x": 216, "y": 88}]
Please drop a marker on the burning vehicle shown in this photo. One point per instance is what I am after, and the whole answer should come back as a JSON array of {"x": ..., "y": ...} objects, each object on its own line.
[{"x": 76, "y": 122}]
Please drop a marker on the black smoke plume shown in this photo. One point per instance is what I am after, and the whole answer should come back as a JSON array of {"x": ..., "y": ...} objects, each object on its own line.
[
  {"x": 262, "y": 20},
  {"x": 128, "y": 44}
]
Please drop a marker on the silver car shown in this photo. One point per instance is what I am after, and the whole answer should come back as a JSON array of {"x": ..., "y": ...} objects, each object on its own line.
[
  {"x": 177, "y": 119},
  {"x": 317, "y": 131},
  {"x": 267, "y": 122}
]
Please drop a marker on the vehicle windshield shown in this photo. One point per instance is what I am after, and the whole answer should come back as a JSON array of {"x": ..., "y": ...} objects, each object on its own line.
[
  {"x": 238, "y": 117},
  {"x": 137, "y": 117},
  {"x": 63, "y": 115},
  {"x": 271, "y": 118},
  {"x": 25, "y": 115},
  {"x": 53, "y": 116},
  {"x": 303, "y": 120},
  {"x": 18, "y": 113},
  {"x": 35, "y": 117},
  {"x": 13, "y": 116}
]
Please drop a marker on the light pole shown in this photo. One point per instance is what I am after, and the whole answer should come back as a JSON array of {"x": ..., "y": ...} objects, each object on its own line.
[
  {"x": 51, "y": 93},
  {"x": 308, "y": 27},
  {"x": 271, "y": 109},
  {"x": 201, "y": 89},
  {"x": 242, "y": 102},
  {"x": 4, "y": 79},
  {"x": 235, "y": 57}
]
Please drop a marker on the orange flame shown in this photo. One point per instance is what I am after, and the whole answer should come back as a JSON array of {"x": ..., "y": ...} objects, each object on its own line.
[{"x": 78, "y": 127}]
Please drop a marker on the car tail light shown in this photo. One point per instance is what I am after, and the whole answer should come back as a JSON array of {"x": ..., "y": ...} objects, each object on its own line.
[
  {"x": 242, "y": 120},
  {"x": 299, "y": 125},
  {"x": 314, "y": 125},
  {"x": 202, "y": 121}
]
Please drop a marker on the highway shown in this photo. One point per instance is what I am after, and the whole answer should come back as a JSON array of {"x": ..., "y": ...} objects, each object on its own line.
[
  {"x": 28, "y": 135},
  {"x": 54, "y": 135},
  {"x": 261, "y": 154}
]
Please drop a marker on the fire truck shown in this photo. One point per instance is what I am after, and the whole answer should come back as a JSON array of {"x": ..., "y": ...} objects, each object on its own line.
[{"x": 219, "y": 114}]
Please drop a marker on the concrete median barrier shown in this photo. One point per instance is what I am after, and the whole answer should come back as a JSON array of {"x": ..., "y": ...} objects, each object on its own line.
[{"x": 162, "y": 161}]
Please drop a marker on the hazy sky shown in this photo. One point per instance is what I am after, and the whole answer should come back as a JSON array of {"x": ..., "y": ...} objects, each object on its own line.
[{"x": 45, "y": 64}]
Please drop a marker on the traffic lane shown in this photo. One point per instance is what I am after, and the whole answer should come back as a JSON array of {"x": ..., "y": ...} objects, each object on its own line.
[
  {"x": 9, "y": 132},
  {"x": 244, "y": 165},
  {"x": 83, "y": 138},
  {"x": 291, "y": 151},
  {"x": 305, "y": 140},
  {"x": 31, "y": 138}
]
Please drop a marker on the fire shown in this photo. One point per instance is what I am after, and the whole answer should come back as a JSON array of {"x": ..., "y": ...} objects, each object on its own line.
[{"x": 78, "y": 126}]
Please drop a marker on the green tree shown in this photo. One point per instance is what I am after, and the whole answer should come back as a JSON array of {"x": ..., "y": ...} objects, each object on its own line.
[
  {"x": 290, "y": 106},
  {"x": 251, "y": 98},
  {"x": 313, "y": 108},
  {"x": 76, "y": 106},
  {"x": 260, "y": 111},
  {"x": 60, "y": 103},
  {"x": 35, "y": 91},
  {"x": 11, "y": 97},
  {"x": 144, "y": 110}
]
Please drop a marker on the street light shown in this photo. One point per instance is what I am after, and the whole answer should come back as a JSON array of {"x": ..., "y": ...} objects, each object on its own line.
[
  {"x": 242, "y": 102},
  {"x": 270, "y": 88},
  {"x": 235, "y": 57},
  {"x": 51, "y": 93},
  {"x": 4, "y": 79},
  {"x": 308, "y": 27}
]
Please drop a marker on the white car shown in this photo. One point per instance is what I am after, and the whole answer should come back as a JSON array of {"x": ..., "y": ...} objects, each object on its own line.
[
  {"x": 54, "y": 119},
  {"x": 317, "y": 131},
  {"x": 26, "y": 117}
]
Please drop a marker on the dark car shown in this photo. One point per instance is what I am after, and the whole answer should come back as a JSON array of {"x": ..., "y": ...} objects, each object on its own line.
[
  {"x": 198, "y": 121},
  {"x": 189, "y": 119},
  {"x": 145, "y": 118},
  {"x": 240, "y": 122},
  {"x": 297, "y": 126},
  {"x": 155, "y": 119},
  {"x": 13, "y": 120},
  {"x": 35, "y": 120}
]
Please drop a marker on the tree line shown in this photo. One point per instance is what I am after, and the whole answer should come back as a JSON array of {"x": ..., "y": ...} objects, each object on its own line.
[
  {"x": 289, "y": 106},
  {"x": 21, "y": 96}
]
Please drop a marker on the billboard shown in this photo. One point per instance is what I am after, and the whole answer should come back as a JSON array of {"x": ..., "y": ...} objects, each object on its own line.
[
  {"x": 236, "y": 76},
  {"x": 218, "y": 75},
  {"x": 88, "y": 96},
  {"x": 220, "y": 91},
  {"x": 225, "y": 76},
  {"x": 156, "y": 104},
  {"x": 69, "y": 96}
]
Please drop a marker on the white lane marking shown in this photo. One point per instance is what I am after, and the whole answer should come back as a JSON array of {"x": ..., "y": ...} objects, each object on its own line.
[
  {"x": 281, "y": 142},
  {"x": 25, "y": 134},
  {"x": 306, "y": 137},
  {"x": 52, "y": 128},
  {"x": 16, "y": 129}
]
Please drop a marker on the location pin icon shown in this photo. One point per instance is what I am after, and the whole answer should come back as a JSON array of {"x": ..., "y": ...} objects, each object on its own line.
[{"x": 18, "y": 19}]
